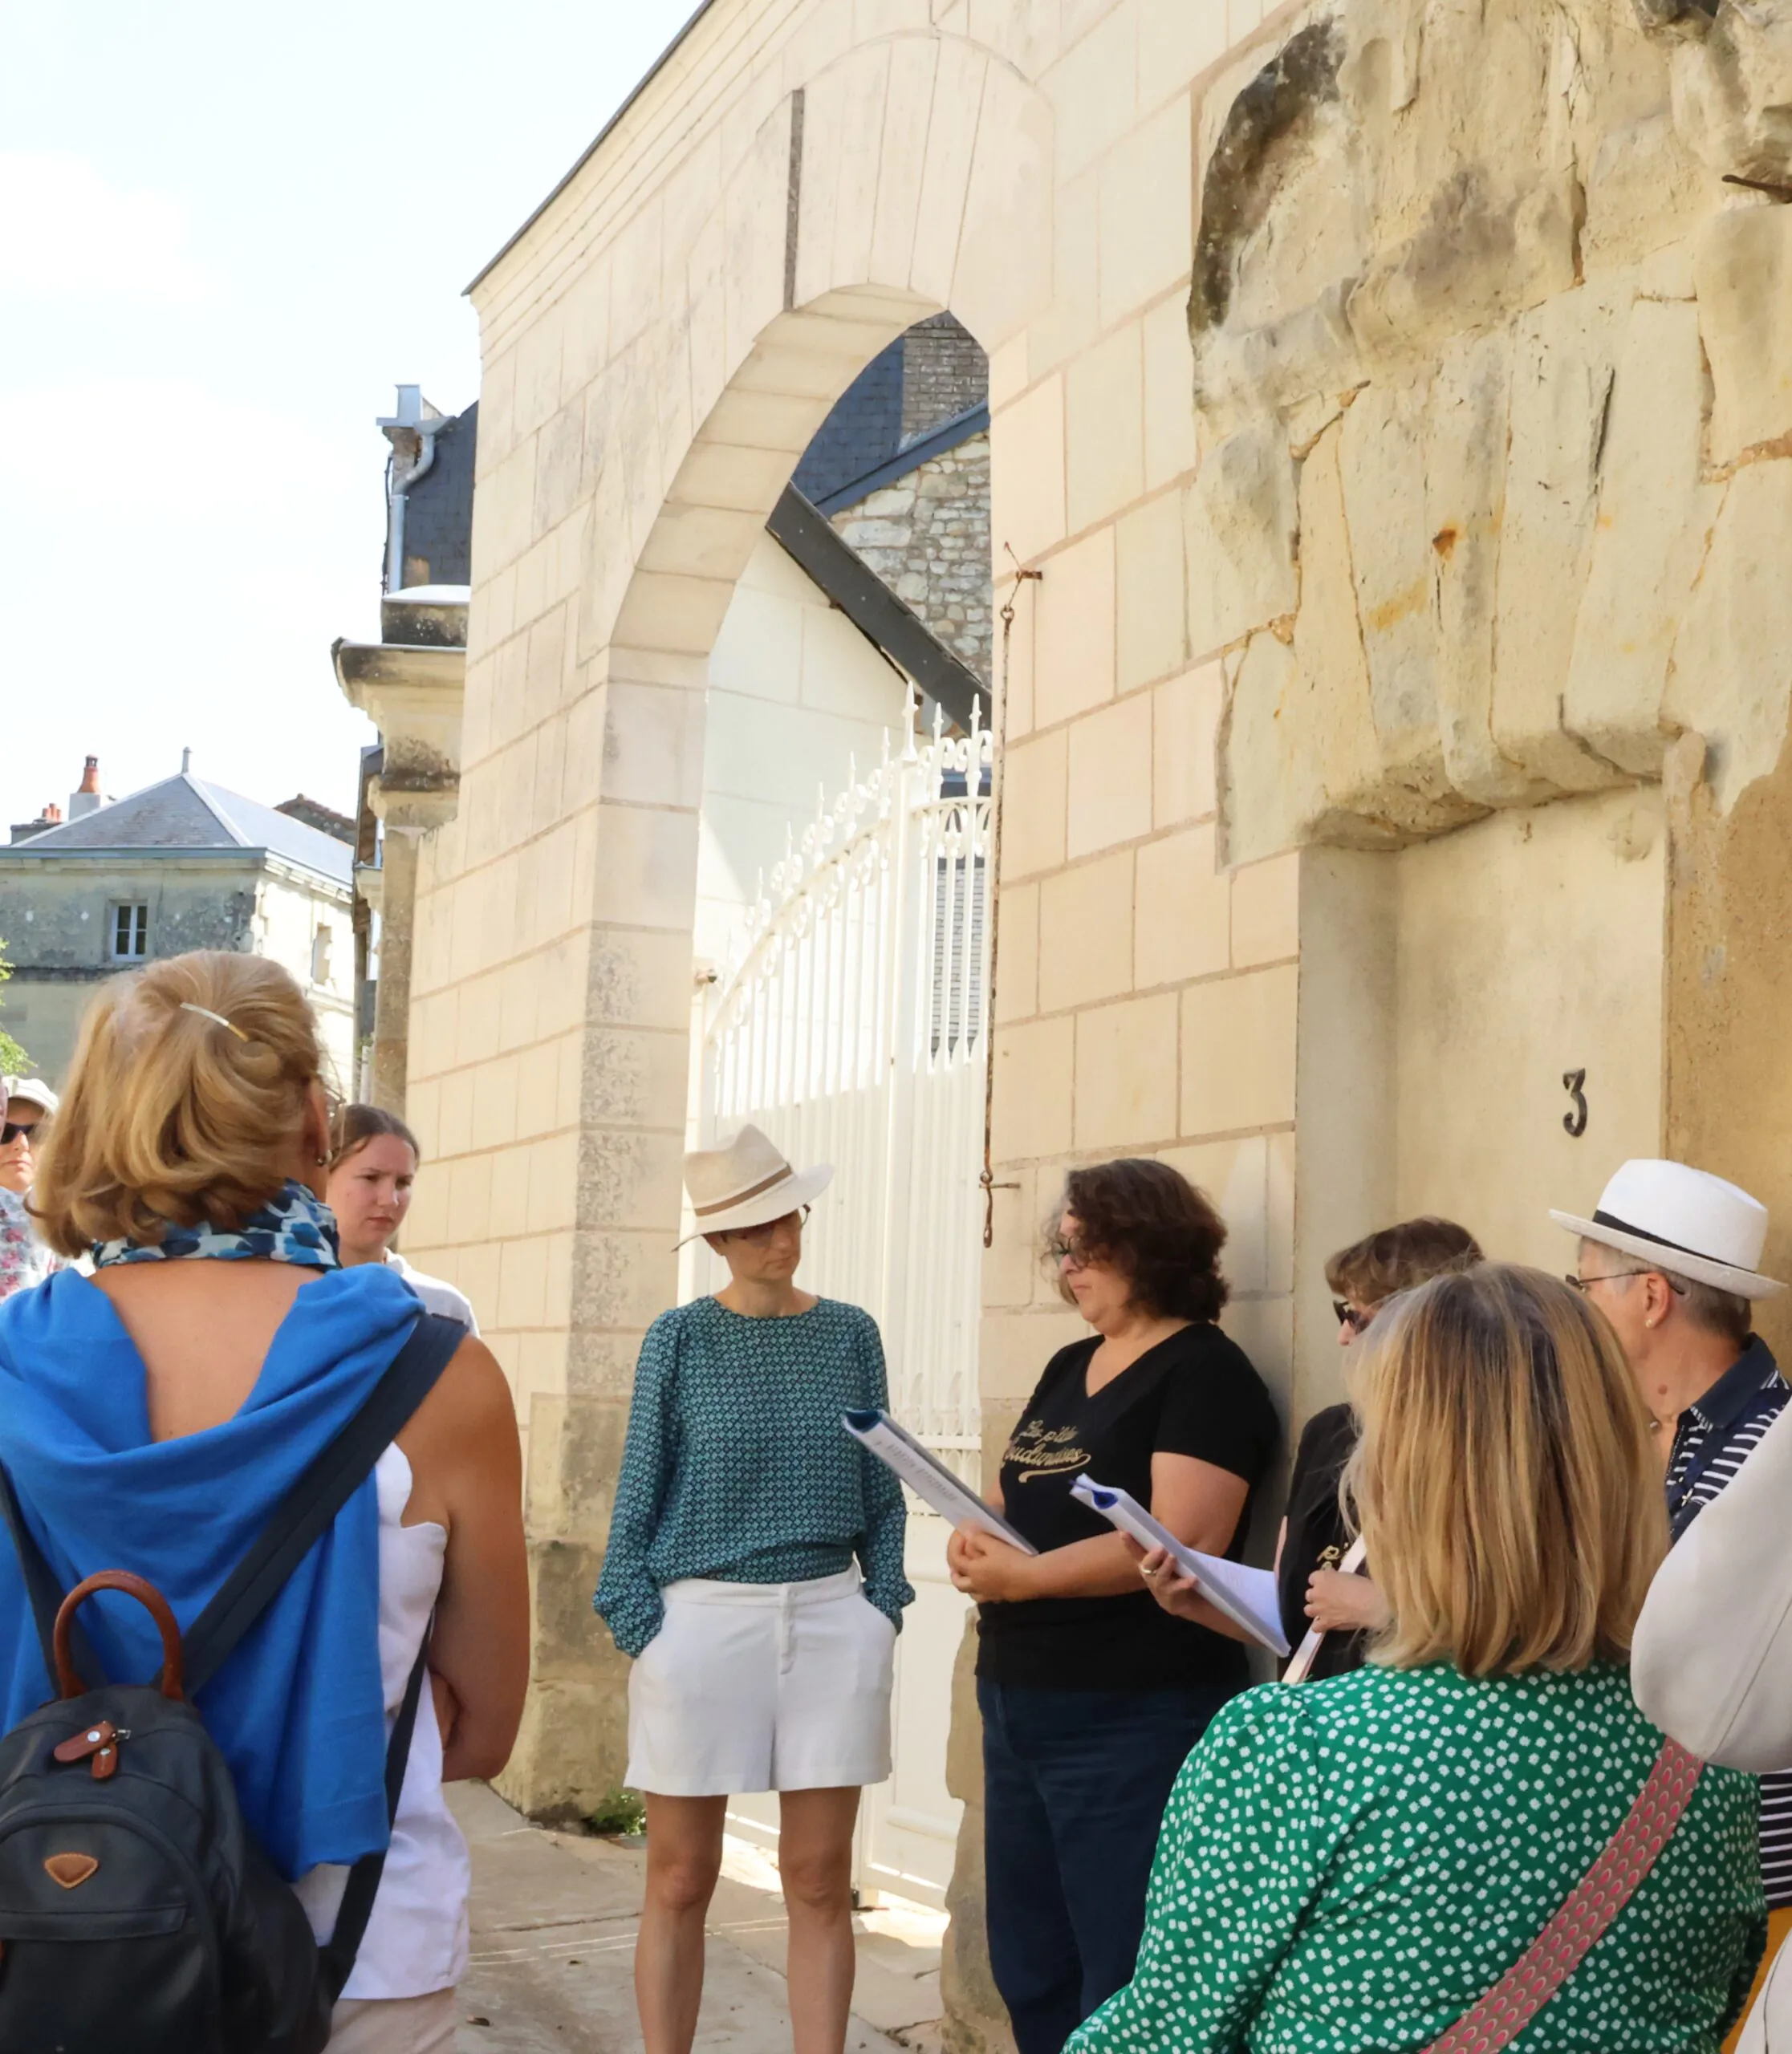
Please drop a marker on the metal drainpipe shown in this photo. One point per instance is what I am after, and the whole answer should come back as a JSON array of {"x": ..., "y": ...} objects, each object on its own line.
[{"x": 395, "y": 546}]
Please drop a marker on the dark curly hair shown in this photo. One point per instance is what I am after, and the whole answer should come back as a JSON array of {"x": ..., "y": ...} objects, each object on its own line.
[{"x": 1149, "y": 1222}]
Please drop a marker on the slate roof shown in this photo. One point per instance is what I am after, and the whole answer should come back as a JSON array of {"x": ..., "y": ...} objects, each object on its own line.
[
  {"x": 438, "y": 517},
  {"x": 862, "y": 433},
  {"x": 862, "y": 442},
  {"x": 182, "y": 813}
]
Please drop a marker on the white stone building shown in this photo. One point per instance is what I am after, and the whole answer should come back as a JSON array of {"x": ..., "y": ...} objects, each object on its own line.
[{"x": 181, "y": 864}]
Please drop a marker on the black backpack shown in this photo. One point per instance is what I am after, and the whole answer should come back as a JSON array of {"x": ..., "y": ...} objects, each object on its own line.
[{"x": 138, "y": 1915}]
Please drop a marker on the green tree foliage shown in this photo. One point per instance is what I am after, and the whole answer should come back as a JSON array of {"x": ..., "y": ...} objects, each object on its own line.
[{"x": 12, "y": 1057}]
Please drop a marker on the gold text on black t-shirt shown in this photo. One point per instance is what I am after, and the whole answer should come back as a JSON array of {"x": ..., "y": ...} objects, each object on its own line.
[{"x": 1039, "y": 1451}]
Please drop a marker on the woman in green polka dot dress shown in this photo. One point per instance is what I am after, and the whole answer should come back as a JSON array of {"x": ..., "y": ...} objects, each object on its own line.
[{"x": 1352, "y": 1864}]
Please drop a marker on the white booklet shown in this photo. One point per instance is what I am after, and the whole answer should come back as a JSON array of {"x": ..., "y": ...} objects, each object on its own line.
[
  {"x": 1248, "y": 1597},
  {"x": 927, "y": 1477}
]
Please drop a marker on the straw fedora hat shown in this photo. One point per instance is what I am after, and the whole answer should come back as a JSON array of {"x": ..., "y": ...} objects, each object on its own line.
[
  {"x": 1685, "y": 1220},
  {"x": 747, "y": 1183}
]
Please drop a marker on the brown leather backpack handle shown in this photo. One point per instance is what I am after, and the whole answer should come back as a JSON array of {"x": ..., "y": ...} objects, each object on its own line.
[{"x": 68, "y": 1680}]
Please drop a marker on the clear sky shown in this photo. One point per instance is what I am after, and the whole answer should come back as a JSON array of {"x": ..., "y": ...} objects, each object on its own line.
[{"x": 226, "y": 232}]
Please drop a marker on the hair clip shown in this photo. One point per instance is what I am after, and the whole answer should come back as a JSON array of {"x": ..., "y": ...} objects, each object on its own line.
[{"x": 205, "y": 1013}]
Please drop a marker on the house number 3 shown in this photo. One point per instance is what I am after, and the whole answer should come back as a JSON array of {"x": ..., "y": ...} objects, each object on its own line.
[{"x": 1573, "y": 1083}]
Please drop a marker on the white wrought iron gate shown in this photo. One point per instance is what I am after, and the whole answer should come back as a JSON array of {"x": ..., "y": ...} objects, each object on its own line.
[{"x": 851, "y": 1025}]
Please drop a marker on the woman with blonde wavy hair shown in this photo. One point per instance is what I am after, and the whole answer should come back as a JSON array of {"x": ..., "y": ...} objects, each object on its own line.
[
  {"x": 153, "y": 1416},
  {"x": 1361, "y": 1862}
]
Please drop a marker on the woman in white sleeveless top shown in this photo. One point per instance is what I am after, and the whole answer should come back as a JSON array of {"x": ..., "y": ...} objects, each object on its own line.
[{"x": 374, "y": 1160}]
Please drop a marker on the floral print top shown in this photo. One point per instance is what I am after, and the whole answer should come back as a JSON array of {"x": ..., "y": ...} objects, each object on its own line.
[
  {"x": 1355, "y": 1863},
  {"x": 24, "y": 1259}
]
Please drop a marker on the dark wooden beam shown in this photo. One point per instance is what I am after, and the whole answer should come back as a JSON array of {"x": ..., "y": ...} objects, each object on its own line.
[{"x": 808, "y": 535}]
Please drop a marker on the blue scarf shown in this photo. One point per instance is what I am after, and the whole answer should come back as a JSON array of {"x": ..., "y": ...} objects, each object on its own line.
[
  {"x": 298, "y": 1709},
  {"x": 295, "y": 1225}
]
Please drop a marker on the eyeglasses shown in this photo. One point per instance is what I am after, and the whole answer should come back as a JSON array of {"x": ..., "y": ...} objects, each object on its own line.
[
  {"x": 11, "y": 1130},
  {"x": 1351, "y": 1316},
  {"x": 1583, "y": 1285},
  {"x": 760, "y": 1234},
  {"x": 1069, "y": 1255}
]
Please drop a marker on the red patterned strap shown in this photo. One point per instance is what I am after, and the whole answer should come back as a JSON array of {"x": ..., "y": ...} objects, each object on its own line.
[{"x": 1571, "y": 1936}]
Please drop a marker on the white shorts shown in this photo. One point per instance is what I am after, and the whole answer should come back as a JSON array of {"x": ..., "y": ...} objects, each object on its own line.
[
  {"x": 396, "y": 2025},
  {"x": 761, "y": 1686}
]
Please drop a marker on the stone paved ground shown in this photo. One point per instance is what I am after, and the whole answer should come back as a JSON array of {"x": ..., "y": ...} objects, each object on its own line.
[{"x": 554, "y": 1917}]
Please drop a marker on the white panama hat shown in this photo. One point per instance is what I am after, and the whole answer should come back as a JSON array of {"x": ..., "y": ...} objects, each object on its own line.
[
  {"x": 747, "y": 1183},
  {"x": 1684, "y": 1220}
]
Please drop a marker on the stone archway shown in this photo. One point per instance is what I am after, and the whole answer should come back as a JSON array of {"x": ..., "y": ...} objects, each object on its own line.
[{"x": 627, "y": 483}]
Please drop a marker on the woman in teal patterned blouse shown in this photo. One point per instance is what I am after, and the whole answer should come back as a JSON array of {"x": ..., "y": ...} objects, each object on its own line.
[
  {"x": 1354, "y": 1864},
  {"x": 754, "y": 1571}
]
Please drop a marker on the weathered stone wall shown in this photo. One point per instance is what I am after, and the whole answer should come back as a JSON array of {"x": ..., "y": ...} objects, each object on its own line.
[
  {"x": 945, "y": 373},
  {"x": 927, "y": 536},
  {"x": 1490, "y": 414},
  {"x": 1729, "y": 1093},
  {"x": 55, "y": 914}
]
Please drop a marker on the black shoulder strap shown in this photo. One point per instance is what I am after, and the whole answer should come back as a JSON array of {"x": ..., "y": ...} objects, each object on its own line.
[
  {"x": 310, "y": 1506},
  {"x": 297, "y": 1523},
  {"x": 338, "y": 1954},
  {"x": 45, "y": 1592}
]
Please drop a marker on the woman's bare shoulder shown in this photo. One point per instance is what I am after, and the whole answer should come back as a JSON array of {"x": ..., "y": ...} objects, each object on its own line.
[{"x": 472, "y": 1395}]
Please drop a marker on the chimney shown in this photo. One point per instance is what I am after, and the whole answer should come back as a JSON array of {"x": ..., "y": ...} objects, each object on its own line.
[
  {"x": 86, "y": 799},
  {"x": 186, "y": 761},
  {"x": 50, "y": 816}
]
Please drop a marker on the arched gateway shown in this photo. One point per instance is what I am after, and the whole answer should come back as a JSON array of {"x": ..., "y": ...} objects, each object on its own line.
[{"x": 1394, "y": 398}]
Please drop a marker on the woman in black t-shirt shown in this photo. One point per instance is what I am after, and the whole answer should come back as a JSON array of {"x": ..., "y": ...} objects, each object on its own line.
[
  {"x": 1315, "y": 1537},
  {"x": 1092, "y": 1695}
]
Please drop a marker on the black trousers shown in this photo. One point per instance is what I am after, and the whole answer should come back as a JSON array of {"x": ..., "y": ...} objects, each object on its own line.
[{"x": 1074, "y": 1783}]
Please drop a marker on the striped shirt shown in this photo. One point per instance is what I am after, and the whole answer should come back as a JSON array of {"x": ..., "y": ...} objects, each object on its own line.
[{"x": 1713, "y": 1437}]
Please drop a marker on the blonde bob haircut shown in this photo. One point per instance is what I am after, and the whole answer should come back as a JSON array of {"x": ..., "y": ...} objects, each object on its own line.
[
  {"x": 169, "y": 1117},
  {"x": 1508, "y": 1494}
]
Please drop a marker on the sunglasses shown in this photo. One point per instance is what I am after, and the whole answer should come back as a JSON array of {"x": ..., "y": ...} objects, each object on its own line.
[
  {"x": 11, "y": 1130},
  {"x": 1349, "y": 1316}
]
